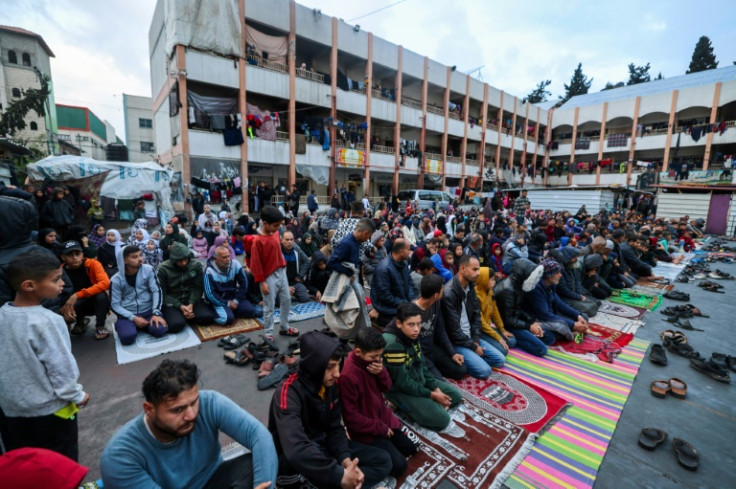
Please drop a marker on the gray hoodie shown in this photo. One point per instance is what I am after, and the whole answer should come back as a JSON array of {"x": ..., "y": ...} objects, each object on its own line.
[{"x": 128, "y": 302}]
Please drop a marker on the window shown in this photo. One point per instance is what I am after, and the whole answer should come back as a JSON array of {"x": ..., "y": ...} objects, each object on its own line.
[
  {"x": 34, "y": 126},
  {"x": 146, "y": 147},
  {"x": 145, "y": 123},
  {"x": 65, "y": 137},
  {"x": 12, "y": 57},
  {"x": 26, "y": 59},
  {"x": 16, "y": 92}
]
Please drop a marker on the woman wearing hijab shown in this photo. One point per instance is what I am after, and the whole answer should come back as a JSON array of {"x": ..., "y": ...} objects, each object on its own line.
[
  {"x": 308, "y": 244},
  {"x": 138, "y": 224},
  {"x": 296, "y": 229},
  {"x": 171, "y": 235},
  {"x": 221, "y": 241},
  {"x": 97, "y": 236},
  {"x": 140, "y": 239},
  {"x": 110, "y": 253},
  {"x": 47, "y": 238}
]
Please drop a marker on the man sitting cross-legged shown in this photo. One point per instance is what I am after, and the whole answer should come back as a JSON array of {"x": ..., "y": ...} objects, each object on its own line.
[
  {"x": 136, "y": 298},
  {"x": 182, "y": 281},
  {"x": 175, "y": 442},
  {"x": 297, "y": 266},
  {"x": 226, "y": 286}
]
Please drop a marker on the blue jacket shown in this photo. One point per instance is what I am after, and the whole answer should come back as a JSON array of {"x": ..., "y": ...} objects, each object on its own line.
[
  {"x": 128, "y": 302},
  {"x": 441, "y": 270},
  {"x": 391, "y": 285},
  {"x": 546, "y": 305},
  {"x": 347, "y": 250},
  {"x": 223, "y": 287}
]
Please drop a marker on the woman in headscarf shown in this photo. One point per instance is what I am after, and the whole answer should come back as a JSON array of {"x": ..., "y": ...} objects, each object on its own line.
[
  {"x": 318, "y": 275},
  {"x": 491, "y": 327},
  {"x": 152, "y": 254},
  {"x": 296, "y": 229},
  {"x": 308, "y": 244},
  {"x": 441, "y": 220},
  {"x": 171, "y": 235},
  {"x": 409, "y": 235},
  {"x": 97, "y": 236},
  {"x": 221, "y": 241},
  {"x": 47, "y": 238},
  {"x": 140, "y": 239},
  {"x": 110, "y": 253},
  {"x": 488, "y": 210}
]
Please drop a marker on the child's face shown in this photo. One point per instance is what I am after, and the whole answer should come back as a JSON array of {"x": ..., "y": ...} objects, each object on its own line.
[
  {"x": 497, "y": 250},
  {"x": 199, "y": 235},
  {"x": 307, "y": 239},
  {"x": 156, "y": 235},
  {"x": 449, "y": 259},
  {"x": 51, "y": 238},
  {"x": 374, "y": 356},
  {"x": 139, "y": 235},
  {"x": 410, "y": 327},
  {"x": 151, "y": 245},
  {"x": 380, "y": 242},
  {"x": 271, "y": 227},
  {"x": 47, "y": 288},
  {"x": 322, "y": 265},
  {"x": 100, "y": 231}
]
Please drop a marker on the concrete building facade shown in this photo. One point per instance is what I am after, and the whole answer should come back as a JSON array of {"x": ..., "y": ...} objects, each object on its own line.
[
  {"x": 80, "y": 127},
  {"x": 139, "y": 136}
]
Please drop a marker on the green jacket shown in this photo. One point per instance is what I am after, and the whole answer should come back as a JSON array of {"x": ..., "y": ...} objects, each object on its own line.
[
  {"x": 406, "y": 365},
  {"x": 181, "y": 286}
]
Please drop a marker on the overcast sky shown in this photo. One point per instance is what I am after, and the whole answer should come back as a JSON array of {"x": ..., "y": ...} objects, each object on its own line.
[{"x": 101, "y": 47}]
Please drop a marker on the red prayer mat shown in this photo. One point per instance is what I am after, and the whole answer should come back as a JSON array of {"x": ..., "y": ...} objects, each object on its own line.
[
  {"x": 477, "y": 450},
  {"x": 516, "y": 400},
  {"x": 605, "y": 343}
]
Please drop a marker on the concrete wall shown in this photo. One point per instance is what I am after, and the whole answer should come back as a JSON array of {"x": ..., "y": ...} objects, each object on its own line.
[{"x": 135, "y": 108}]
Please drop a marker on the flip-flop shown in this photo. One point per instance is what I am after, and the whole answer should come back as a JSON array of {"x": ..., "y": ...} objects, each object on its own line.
[
  {"x": 660, "y": 388},
  {"x": 675, "y": 337},
  {"x": 236, "y": 358},
  {"x": 685, "y": 453},
  {"x": 678, "y": 388},
  {"x": 268, "y": 344},
  {"x": 236, "y": 342},
  {"x": 651, "y": 438},
  {"x": 101, "y": 334}
]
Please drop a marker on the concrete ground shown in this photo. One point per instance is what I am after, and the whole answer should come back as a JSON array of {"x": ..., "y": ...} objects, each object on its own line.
[{"x": 707, "y": 418}]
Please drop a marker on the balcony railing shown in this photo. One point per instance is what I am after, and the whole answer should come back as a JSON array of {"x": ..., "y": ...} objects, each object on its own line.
[
  {"x": 436, "y": 110},
  {"x": 310, "y": 75},
  {"x": 347, "y": 144},
  {"x": 282, "y": 136},
  {"x": 383, "y": 149},
  {"x": 410, "y": 102},
  {"x": 272, "y": 65},
  {"x": 381, "y": 95},
  {"x": 454, "y": 159},
  {"x": 455, "y": 115},
  {"x": 433, "y": 156}
]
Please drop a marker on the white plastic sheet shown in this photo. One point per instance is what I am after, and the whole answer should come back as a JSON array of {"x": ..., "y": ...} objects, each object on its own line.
[{"x": 209, "y": 25}]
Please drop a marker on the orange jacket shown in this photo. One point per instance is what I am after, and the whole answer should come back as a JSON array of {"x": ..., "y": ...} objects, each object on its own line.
[{"x": 98, "y": 277}]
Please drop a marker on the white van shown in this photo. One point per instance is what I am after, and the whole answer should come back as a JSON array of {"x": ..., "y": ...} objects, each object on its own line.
[{"x": 425, "y": 199}]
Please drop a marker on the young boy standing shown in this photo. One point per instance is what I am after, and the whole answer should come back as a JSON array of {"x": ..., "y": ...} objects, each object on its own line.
[
  {"x": 415, "y": 390},
  {"x": 366, "y": 416},
  {"x": 269, "y": 269},
  {"x": 39, "y": 389}
]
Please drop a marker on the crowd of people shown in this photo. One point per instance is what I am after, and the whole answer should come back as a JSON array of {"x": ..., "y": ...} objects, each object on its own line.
[{"x": 450, "y": 292}]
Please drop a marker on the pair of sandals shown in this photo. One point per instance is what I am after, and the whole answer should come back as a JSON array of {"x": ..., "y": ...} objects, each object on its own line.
[
  {"x": 233, "y": 342},
  {"x": 682, "y": 323},
  {"x": 79, "y": 329},
  {"x": 711, "y": 287},
  {"x": 719, "y": 275},
  {"x": 687, "y": 456},
  {"x": 683, "y": 310},
  {"x": 710, "y": 368},
  {"x": 676, "y": 342},
  {"x": 676, "y": 295},
  {"x": 675, "y": 387}
]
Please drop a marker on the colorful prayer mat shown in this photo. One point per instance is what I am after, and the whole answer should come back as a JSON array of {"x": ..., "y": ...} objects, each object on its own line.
[
  {"x": 516, "y": 400},
  {"x": 214, "y": 331},
  {"x": 625, "y": 325},
  {"x": 301, "y": 312},
  {"x": 569, "y": 454},
  {"x": 621, "y": 310},
  {"x": 634, "y": 299},
  {"x": 452, "y": 458},
  {"x": 600, "y": 344}
]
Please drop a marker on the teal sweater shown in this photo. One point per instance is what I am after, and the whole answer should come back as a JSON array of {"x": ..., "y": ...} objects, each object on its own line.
[{"x": 133, "y": 458}]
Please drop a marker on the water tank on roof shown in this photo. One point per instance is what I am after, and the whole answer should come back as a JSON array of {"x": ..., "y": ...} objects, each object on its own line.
[{"x": 116, "y": 152}]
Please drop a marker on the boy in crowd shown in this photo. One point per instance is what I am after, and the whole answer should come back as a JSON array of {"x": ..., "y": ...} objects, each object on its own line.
[
  {"x": 269, "y": 269},
  {"x": 39, "y": 389},
  {"x": 366, "y": 416},
  {"x": 415, "y": 390}
]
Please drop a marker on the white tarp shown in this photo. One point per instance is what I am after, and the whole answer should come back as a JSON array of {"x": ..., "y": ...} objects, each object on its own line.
[
  {"x": 209, "y": 25},
  {"x": 318, "y": 174},
  {"x": 124, "y": 180}
]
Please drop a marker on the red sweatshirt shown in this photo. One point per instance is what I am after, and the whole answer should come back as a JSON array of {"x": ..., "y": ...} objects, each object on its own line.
[
  {"x": 266, "y": 256},
  {"x": 364, "y": 411}
]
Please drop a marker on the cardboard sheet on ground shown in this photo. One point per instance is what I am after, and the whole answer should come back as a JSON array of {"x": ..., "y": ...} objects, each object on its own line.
[{"x": 146, "y": 346}]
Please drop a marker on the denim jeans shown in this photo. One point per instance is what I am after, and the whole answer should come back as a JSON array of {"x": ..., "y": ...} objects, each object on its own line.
[
  {"x": 526, "y": 341},
  {"x": 511, "y": 342},
  {"x": 480, "y": 366}
]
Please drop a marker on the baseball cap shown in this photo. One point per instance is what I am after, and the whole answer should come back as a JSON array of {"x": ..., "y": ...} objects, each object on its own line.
[{"x": 70, "y": 246}]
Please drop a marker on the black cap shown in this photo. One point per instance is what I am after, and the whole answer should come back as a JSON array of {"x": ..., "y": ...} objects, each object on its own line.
[{"x": 70, "y": 246}]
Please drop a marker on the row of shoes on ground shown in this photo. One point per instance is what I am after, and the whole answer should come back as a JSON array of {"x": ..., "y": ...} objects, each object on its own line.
[
  {"x": 686, "y": 455},
  {"x": 683, "y": 310},
  {"x": 676, "y": 342}
]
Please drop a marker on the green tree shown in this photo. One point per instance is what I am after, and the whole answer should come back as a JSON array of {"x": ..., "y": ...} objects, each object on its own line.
[
  {"x": 703, "y": 57},
  {"x": 539, "y": 94},
  {"x": 13, "y": 119},
  {"x": 610, "y": 86},
  {"x": 579, "y": 84},
  {"x": 638, "y": 74}
]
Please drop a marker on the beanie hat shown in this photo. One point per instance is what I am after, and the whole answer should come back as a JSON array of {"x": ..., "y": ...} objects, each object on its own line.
[
  {"x": 375, "y": 237},
  {"x": 551, "y": 267},
  {"x": 437, "y": 233},
  {"x": 609, "y": 244}
]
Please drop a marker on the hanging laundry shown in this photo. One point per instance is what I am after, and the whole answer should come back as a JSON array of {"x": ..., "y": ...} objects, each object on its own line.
[
  {"x": 695, "y": 133},
  {"x": 233, "y": 137}
]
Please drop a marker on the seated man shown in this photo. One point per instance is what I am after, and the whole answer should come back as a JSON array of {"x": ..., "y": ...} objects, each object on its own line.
[
  {"x": 226, "y": 287},
  {"x": 392, "y": 284},
  {"x": 509, "y": 293},
  {"x": 136, "y": 298},
  {"x": 367, "y": 417},
  {"x": 297, "y": 266},
  {"x": 461, "y": 311},
  {"x": 554, "y": 315},
  {"x": 414, "y": 389},
  {"x": 182, "y": 282},
  {"x": 426, "y": 267},
  {"x": 174, "y": 442},
  {"x": 570, "y": 289},
  {"x": 304, "y": 419},
  {"x": 439, "y": 354},
  {"x": 90, "y": 284}
]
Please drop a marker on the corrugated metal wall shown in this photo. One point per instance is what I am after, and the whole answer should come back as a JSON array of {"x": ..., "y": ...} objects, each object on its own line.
[
  {"x": 672, "y": 205},
  {"x": 731, "y": 228},
  {"x": 570, "y": 200}
]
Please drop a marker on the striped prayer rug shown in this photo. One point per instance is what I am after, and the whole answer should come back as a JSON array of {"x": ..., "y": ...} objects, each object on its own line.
[{"x": 569, "y": 454}]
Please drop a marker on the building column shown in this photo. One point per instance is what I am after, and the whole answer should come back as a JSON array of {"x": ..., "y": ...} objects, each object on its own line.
[
  {"x": 181, "y": 66},
  {"x": 713, "y": 113},
  {"x": 243, "y": 109},
  {"x": 536, "y": 142},
  {"x": 291, "y": 57},
  {"x": 397, "y": 127},
  {"x": 523, "y": 151},
  {"x": 632, "y": 144},
  {"x": 464, "y": 144},
  {"x": 513, "y": 140},
  {"x": 447, "y": 127},
  {"x": 484, "y": 128},
  {"x": 499, "y": 128},
  {"x": 368, "y": 106},
  {"x": 333, "y": 109},
  {"x": 604, "y": 116},
  {"x": 670, "y": 130},
  {"x": 548, "y": 139},
  {"x": 572, "y": 146},
  {"x": 423, "y": 134}
]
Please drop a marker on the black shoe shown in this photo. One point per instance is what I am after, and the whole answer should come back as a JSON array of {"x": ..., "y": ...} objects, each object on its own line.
[
  {"x": 676, "y": 295},
  {"x": 711, "y": 369},
  {"x": 657, "y": 354}
]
